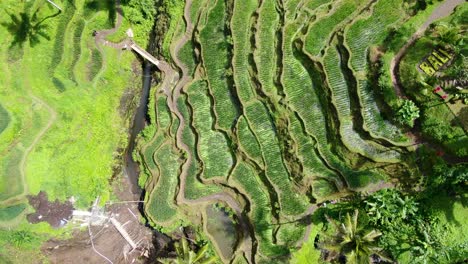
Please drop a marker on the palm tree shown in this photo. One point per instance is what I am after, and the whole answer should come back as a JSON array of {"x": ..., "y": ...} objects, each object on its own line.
[
  {"x": 352, "y": 242},
  {"x": 186, "y": 256},
  {"x": 25, "y": 27}
]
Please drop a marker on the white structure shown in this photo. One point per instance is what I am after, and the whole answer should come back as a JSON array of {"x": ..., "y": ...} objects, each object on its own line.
[
  {"x": 144, "y": 54},
  {"x": 54, "y": 4}
]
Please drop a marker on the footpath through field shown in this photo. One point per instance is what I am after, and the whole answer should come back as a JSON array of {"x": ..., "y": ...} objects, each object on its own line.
[
  {"x": 443, "y": 10},
  {"x": 172, "y": 102},
  {"x": 171, "y": 77}
]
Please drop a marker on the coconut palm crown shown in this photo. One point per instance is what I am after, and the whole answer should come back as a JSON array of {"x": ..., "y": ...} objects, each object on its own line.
[{"x": 352, "y": 243}]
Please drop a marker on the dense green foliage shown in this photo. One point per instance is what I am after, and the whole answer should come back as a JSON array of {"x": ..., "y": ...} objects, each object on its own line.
[
  {"x": 407, "y": 113},
  {"x": 61, "y": 130},
  {"x": 352, "y": 240},
  {"x": 290, "y": 104},
  {"x": 437, "y": 118},
  {"x": 289, "y": 119}
]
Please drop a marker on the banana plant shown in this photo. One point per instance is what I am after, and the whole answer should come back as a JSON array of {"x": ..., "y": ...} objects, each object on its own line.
[{"x": 185, "y": 255}]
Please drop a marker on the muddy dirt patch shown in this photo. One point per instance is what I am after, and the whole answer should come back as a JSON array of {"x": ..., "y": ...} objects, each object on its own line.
[{"x": 55, "y": 213}]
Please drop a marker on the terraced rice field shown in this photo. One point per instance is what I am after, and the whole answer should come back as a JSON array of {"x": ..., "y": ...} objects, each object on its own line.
[{"x": 273, "y": 115}]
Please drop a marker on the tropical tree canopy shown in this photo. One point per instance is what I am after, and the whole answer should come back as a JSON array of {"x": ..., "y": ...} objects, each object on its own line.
[{"x": 352, "y": 241}]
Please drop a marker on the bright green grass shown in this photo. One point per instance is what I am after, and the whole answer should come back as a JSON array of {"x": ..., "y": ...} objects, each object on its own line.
[
  {"x": 31, "y": 121},
  {"x": 90, "y": 141},
  {"x": 341, "y": 98},
  {"x": 260, "y": 212},
  {"x": 160, "y": 202},
  {"x": 265, "y": 53},
  {"x": 11, "y": 212},
  {"x": 319, "y": 32},
  {"x": 4, "y": 118},
  {"x": 291, "y": 202},
  {"x": 308, "y": 254},
  {"x": 316, "y": 3},
  {"x": 77, "y": 44},
  {"x": 10, "y": 182},
  {"x": 240, "y": 26},
  {"x": 453, "y": 213},
  {"x": 215, "y": 56},
  {"x": 213, "y": 147},
  {"x": 88, "y": 128}
]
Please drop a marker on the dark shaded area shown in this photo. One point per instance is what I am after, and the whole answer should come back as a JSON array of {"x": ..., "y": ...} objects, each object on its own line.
[
  {"x": 25, "y": 27},
  {"x": 95, "y": 64},
  {"x": 59, "y": 84},
  {"x": 11, "y": 212},
  {"x": 139, "y": 122},
  {"x": 94, "y": 6},
  {"x": 4, "y": 118},
  {"x": 55, "y": 213}
]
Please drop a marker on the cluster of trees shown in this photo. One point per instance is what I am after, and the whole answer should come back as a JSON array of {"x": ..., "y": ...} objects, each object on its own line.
[
  {"x": 436, "y": 121},
  {"x": 139, "y": 11},
  {"x": 414, "y": 6},
  {"x": 390, "y": 225}
]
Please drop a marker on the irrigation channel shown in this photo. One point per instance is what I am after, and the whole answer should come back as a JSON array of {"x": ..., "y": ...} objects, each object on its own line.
[
  {"x": 172, "y": 78},
  {"x": 139, "y": 121}
]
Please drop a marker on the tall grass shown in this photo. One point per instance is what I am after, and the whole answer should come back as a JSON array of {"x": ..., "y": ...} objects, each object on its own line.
[
  {"x": 160, "y": 206},
  {"x": 291, "y": 202},
  {"x": 245, "y": 177},
  {"x": 213, "y": 148},
  {"x": 215, "y": 58},
  {"x": 240, "y": 25}
]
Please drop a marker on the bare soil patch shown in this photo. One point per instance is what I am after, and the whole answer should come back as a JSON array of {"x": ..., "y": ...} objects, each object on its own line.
[
  {"x": 55, "y": 213},
  {"x": 106, "y": 238}
]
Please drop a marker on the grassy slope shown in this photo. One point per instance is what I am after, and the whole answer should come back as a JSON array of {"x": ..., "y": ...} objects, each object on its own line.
[{"x": 75, "y": 155}]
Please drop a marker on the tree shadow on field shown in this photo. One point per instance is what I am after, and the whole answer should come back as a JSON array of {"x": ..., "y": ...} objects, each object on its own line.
[
  {"x": 100, "y": 5},
  {"x": 25, "y": 27}
]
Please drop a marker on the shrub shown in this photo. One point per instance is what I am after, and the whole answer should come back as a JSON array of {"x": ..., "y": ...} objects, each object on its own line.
[{"x": 407, "y": 113}]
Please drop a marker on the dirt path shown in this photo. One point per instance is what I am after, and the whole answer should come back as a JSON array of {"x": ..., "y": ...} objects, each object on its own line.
[
  {"x": 445, "y": 9},
  {"x": 53, "y": 118},
  {"x": 102, "y": 35},
  {"x": 22, "y": 165},
  {"x": 171, "y": 78}
]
